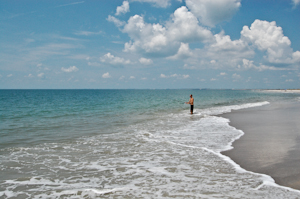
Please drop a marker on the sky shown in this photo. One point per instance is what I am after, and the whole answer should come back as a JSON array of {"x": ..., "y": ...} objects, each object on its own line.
[{"x": 149, "y": 44}]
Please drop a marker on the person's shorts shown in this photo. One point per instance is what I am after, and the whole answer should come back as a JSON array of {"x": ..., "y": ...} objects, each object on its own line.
[{"x": 192, "y": 108}]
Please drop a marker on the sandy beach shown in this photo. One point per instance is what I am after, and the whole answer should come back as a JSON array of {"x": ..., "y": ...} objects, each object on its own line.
[{"x": 271, "y": 143}]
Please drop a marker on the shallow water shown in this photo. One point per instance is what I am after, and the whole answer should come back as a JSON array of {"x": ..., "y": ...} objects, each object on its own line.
[{"x": 126, "y": 144}]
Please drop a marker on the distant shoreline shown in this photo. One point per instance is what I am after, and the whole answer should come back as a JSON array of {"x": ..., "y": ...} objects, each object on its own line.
[
  {"x": 282, "y": 90},
  {"x": 267, "y": 90}
]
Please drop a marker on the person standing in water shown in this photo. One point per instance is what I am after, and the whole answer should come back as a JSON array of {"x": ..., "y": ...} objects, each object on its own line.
[{"x": 191, "y": 102}]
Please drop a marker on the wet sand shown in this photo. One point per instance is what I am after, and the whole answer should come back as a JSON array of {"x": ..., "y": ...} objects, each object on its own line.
[{"x": 271, "y": 143}]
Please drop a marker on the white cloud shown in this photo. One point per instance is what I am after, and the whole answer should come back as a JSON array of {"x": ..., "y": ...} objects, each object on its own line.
[
  {"x": 222, "y": 74},
  {"x": 146, "y": 37},
  {"x": 183, "y": 52},
  {"x": 213, "y": 12},
  {"x": 41, "y": 75},
  {"x": 144, "y": 78},
  {"x": 145, "y": 61},
  {"x": 158, "y": 3},
  {"x": 184, "y": 27},
  {"x": 122, "y": 77},
  {"x": 132, "y": 77},
  {"x": 289, "y": 80},
  {"x": 88, "y": 33},
  {"x": 222, "y": 52},
  {"x": 223, "y": 45},
  {"x": 29, "y": 75},
  {"x": 70, "y": 69},
  {"x": 124, "y": 8},
  {"x": 268, "y": 37},
  {"x": 213, "y": 79},
  {"x": 111, "y": 59},
  {"x": 296, "y": 2},
  {"x": 247, "y": 64},
  {"x": 175, "y": 75},
  {"x": 106, "y": 75},
  {"x": 262, "y": 35},
  {"x": 10, "y": 75},
  {"x": 116, "y": 21},
  {"x": 159, "y": 40}
]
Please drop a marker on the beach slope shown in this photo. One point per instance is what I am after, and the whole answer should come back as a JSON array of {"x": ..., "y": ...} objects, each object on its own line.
[{"x": 271, "y": 143}]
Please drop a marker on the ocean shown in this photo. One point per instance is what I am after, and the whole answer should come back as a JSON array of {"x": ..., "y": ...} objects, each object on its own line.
[{"x": 127, "y": 144}]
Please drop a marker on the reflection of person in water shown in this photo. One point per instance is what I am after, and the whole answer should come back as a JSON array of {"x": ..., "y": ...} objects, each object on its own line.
[{"x": 191, "y": 102}]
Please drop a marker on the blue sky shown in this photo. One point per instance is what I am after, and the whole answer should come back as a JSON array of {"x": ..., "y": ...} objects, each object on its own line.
[{"x": 154, "y": 44}]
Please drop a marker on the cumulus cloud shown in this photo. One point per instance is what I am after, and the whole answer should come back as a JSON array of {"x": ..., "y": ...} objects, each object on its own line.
[
  {"x": 184, "y": 27},
  {"x": 268, "y": 37},
  {"x": 146, "y": 37},
  {"x": 132, "y": 77},
  {"x": 124, "y": 8},
  {"x": 145, "y": 61},
  {"x": 224, "y": 46},
  {"x": 173, "y": 38},
  {"x": 264, "y": 36},
  {"x": 178, "y": 76},
  {"x": 116, "y": 21},
  {"x": 183, "y": 52},
  {"x": 70, "y": 69},
  {"x": 247, "y": 64},
  {"x": 41, "y": 75},
  {"x": 10, "y": 75},
  {"x": 106, "y": 75},
  {"x": 211, "y": 13},
  {"x": 221, "y": 52},
  {"x": 111, "y": 59},
  {"x": 159, "y": 40}
]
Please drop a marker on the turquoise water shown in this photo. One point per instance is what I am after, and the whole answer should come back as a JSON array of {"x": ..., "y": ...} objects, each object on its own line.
[
  {"x": 126, "y": 144},
  {"x": 37, "y": 116}
]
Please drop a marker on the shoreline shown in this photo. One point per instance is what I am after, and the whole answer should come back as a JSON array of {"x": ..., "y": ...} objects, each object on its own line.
[
  {"x": 282, "y": 90},
  {"x": 271, "y": 141}
]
